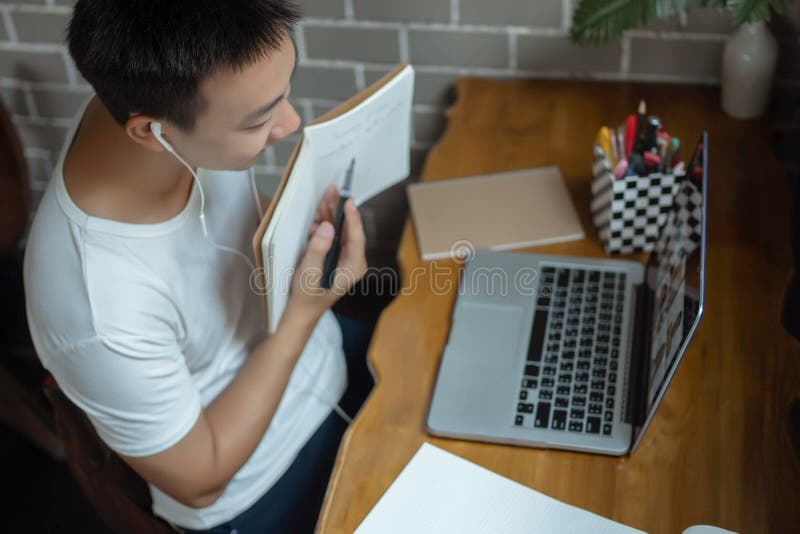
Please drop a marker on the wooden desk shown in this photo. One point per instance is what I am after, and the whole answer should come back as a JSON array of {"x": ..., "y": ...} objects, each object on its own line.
[{"x": 718, "y": 451}]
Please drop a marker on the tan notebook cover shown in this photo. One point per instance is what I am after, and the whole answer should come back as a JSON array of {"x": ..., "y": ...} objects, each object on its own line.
[{"x": 501, "y": 211}]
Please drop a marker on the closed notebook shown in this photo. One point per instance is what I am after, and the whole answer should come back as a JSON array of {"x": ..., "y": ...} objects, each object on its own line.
[{"x": 500, "y": 211}]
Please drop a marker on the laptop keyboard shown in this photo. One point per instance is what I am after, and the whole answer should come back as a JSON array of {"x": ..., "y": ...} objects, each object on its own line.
[{"x": 570, "y": 375}]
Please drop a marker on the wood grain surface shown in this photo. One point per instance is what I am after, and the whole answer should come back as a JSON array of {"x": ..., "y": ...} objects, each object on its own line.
[{"x": 718, "y": 451}]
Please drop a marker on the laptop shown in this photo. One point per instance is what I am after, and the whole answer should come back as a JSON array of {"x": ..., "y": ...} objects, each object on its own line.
[{"x": 574, "y": 353}]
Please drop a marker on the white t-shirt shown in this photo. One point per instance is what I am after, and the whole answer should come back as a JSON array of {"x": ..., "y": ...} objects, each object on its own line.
[{"x": 144, "y": 324}]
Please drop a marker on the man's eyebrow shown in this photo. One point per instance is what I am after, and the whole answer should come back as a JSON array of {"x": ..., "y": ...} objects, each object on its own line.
[
  {"x": 262, "y": 110},
  {"x": 269, "y": 107}
]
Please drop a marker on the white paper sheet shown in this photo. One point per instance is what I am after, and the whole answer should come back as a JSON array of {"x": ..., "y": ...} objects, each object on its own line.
[{"x": 440, "y": 493}]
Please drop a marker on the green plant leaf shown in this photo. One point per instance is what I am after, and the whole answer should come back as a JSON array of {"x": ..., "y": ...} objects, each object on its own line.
[
  {"x": 744, "y": 11},
  {"x": 600, "y": 21}
]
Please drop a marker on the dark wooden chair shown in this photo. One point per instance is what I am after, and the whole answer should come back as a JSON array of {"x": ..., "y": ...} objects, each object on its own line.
[
  {"x": 119, "y": 495},
  {"x": 22, "y": 406},
  {"x": 14, "y": 201}
]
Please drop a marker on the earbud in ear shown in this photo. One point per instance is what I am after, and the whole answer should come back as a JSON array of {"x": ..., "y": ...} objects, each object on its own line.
[{"x": 155, "y": 127}]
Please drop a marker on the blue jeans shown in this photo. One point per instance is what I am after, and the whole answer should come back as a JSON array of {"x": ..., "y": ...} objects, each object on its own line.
[{"x": 293, "y": 503}]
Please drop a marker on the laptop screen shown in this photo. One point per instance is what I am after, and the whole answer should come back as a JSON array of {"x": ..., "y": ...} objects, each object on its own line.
[{"x": 675, "y": 278}]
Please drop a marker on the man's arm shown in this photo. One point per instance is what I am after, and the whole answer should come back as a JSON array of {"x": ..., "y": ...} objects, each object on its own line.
[{"x": 196, "y": 470}]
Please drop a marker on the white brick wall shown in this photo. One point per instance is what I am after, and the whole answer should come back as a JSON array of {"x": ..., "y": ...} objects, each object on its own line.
[{"x": 343, "y": 45}]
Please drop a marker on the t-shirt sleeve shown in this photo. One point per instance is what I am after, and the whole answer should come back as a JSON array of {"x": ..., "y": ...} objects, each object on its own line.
[{"x": 137, "y": 392}]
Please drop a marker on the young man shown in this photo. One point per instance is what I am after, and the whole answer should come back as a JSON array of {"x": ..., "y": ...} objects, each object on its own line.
[{"x": 148, "y": 324}]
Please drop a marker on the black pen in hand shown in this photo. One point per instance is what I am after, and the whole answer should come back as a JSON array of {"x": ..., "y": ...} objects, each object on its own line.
[{"x": 332, "y": 258}]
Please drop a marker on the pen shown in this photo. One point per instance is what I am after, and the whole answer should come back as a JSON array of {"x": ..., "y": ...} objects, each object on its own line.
[
  {"x": 641, "y": 122},
  {"x": 332, "y": 258},
  {"x": 630, "y": 135}
]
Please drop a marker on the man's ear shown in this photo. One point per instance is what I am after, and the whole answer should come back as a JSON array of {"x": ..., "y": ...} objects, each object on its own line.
[{"x": 138, "y": 129}]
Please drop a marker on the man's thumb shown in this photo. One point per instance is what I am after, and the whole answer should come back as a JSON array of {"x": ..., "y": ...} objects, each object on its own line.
[{"x": 319, "y": 244}]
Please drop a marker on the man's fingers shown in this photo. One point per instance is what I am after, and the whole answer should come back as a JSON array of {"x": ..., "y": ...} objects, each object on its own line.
[
  {"x": 354, "y": 228},
  {"x": 352, "y": 260},
  {"x": 332, "y": 195},
  {"x": 326, "y": 211},
  {"x": 318, "y": 246},
  {"x": 322, "y": 212},
  {"x": 331, "y": 202}
]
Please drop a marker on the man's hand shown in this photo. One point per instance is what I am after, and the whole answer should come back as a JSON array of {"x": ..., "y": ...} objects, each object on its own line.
[{"x": 307, "y": 293}]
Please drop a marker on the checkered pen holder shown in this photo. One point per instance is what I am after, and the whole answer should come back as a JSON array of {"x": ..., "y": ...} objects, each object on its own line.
[
  {"x": 628, "y": 213},
  {"x": 687, "y": 215}
]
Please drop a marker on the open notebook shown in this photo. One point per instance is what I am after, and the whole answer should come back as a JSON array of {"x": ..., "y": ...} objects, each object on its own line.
[
  {"x": 440, "y": 493},
  {"x": 374, "y": 127}
]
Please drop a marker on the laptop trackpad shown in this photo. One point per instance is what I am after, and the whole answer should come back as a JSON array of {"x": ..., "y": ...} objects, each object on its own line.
[{"x": 486, "y": 334}]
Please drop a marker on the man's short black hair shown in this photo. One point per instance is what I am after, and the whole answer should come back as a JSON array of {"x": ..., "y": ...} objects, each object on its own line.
[{"x": 149, "y": 56}]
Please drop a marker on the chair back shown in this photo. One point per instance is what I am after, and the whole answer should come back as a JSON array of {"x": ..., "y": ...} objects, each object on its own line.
[{"x": 119, "y": 495}]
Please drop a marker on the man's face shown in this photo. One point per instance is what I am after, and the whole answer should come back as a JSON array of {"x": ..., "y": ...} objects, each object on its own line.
[{"x": 248, "y": 110}]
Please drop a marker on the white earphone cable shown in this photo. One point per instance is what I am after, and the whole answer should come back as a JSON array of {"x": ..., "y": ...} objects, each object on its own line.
[
  {"x": 247, "y": 260},
  {"x": 256, "y": 196}
]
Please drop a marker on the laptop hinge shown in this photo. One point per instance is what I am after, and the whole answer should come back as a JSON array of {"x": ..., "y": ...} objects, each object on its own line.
[{"x": 637, "y": 381}]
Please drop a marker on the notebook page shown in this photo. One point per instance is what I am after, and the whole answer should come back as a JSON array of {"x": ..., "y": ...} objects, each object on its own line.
[
  {"x": 377, "y": 133},
  {"x": 440, "y": 493}
]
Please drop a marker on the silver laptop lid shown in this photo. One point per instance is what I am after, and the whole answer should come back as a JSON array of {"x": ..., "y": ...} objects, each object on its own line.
[{"x": 674, "y": 287}]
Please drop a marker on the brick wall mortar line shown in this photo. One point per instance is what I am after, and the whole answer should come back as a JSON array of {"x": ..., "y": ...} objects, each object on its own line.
[
  {"x": 360, "y": 79},
  {"x": 512, "y": 50},
  {"x": 30, "y": 102},
  {"x": 72, "y": 70},
  {"x": 31, "y": 47},
  {"x": 566, "y": 15},
  {"x": 625, "y": 55},
  {"x": 41, "y": 121},
  {"x": 431, "y": 26},
  {"x": 403, "y": 43},
  {"x": 300, "y": 42},
  {"x": 11, "y": 31},
  {"x": 47, "y": 9}
]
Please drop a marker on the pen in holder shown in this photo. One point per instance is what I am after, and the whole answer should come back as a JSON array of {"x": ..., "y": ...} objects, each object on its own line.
[{"x": 628, "y": 212}]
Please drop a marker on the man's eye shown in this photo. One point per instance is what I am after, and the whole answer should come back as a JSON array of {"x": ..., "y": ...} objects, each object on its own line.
[{"x": 257, "y": 126}]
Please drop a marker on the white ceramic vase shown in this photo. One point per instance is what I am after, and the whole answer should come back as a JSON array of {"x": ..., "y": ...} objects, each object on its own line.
[{"x": 748, "y": 67}]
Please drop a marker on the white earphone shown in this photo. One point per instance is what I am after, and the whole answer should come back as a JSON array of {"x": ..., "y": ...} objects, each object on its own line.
[{"x": 155, "y": 127}]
